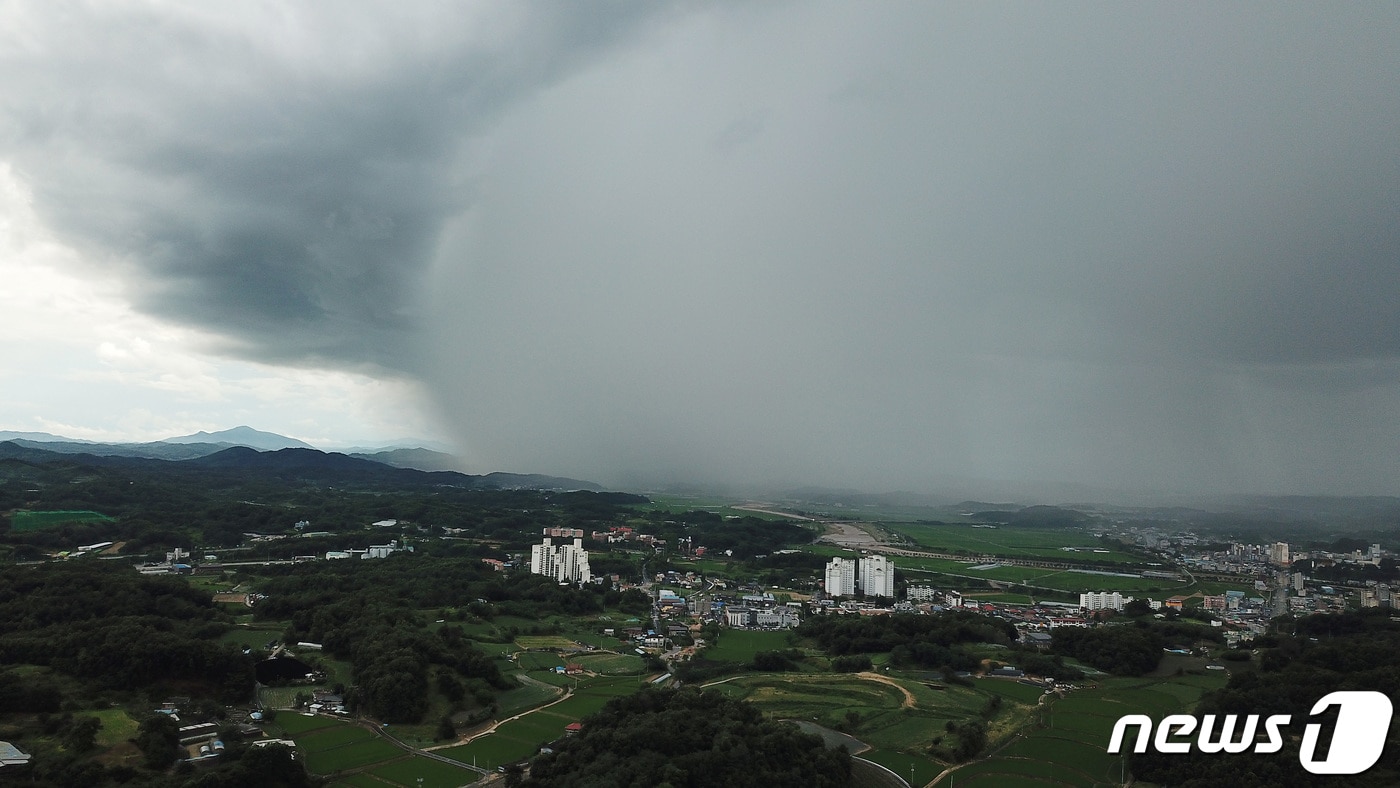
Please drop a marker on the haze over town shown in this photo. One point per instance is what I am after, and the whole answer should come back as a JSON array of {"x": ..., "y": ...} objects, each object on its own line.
[{"x": 893, "y": 246}]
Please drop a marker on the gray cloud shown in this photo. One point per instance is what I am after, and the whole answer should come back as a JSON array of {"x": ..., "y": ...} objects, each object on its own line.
[
  {"x": 883, "y": 245},
  {"x": 276, "y": 174}
]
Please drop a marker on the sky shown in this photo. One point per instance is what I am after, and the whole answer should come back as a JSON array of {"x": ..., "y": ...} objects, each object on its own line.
[{"x": 868, "y": 245}]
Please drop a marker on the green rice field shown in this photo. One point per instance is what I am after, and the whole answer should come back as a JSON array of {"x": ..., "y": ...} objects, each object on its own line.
[
  {"x": 351, "y": 756},
  {"x": 519, "y": 739},
  {"x": 529, "y": 694},
  {"x": 332, "y": 737},
  {"x": 1068, "y": 745},
  {"x": 917, "y": 767},
  {"x": 739, "y": 645},
  {"x": 361, "y": 780},
  {"x": 292, "y": 723},
  {"x": 538, "y": 660},
  {"x": 1012, "y": 542},
  {"x": 432, "y": 774},
  {"x": 330, "y": 745}
]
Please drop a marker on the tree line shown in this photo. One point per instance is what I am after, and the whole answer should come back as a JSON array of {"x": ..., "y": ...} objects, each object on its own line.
[
  {"x": 113, "y": 628},
  {"x": 688, "y": 738}
]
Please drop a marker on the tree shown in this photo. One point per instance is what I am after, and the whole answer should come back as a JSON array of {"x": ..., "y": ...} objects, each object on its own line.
[
  {"x": 82, "y": 734},
  {"x": 445, "y": 728},
  {"x": 972, "y": 737},
  {"x": 158, "y": 738},
  {"x": 450, "y": 687},
  {"x": 853, "y": 663},
  {"x": 1137, "y": 607}
]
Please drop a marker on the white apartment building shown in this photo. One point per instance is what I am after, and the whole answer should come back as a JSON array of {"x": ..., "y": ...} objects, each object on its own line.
[
  {"x": 841, "y": 577},
  {"x": 923, "y": 594},
  {"x": 1102, "y": 600},
  {"x": 877, "y": 576},
  {"x": 565, "y": 563},
  {"x": 872, "y": 575}
]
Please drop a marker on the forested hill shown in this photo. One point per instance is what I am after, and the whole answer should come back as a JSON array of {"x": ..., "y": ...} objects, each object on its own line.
[
  {"x": 1036, "y": 517},
  {"x": 689, "y": 737},
  {"x": 304, "y": 464}
]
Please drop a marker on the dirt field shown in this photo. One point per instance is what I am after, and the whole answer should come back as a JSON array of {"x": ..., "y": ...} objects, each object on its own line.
[{"x": 849, "y": 535}]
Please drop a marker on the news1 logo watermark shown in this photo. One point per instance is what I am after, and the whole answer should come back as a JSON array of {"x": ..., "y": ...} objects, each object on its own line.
[{"x": 1363, "y": 721}]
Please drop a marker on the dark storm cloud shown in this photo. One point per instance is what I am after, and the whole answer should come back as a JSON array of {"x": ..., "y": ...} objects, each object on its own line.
[
  {"x": 275, "y": 174},
  {"x": 906, "y": 246},
  {"x": 885, "y": 245}
]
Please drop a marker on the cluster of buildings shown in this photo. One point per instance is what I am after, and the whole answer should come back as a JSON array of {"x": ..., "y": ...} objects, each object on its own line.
[
  {"x": 754, "y": 610},
  {"x": 871, "y": 575},
  {"x": 619, "y": 533},
  {"x": 1245, "y": 559},
  {"x": 176, "y": 563},
  {"x": 771, "y": 617},
  {"x": 373, "y": 551},
  {"x": 567, "y": 563}
]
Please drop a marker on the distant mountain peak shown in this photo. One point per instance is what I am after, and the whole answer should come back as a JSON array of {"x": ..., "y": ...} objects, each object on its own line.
[
  {"x": 244, "y": 436},
  {"x": 37, "y": 437}
]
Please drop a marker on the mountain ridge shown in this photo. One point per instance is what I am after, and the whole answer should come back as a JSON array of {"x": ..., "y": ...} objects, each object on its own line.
[
  {"x": 242, "y": 435},
  {"x": 303, "y": 463}
]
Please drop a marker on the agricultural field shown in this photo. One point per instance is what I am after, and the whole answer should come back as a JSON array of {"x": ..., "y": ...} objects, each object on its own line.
[
  {"x": 1063, "y": 580},
  {"x": 917, "y": 769},
  {"x": 330, "y": 745},
  {"x": 1062, "y": 742},
  {"x": 520, "y": 738},
  {"x": 426, "y": 772},
  {"x": 293, "y": 724},
  {"x": 739, "y": 645},
  {"x": 116, "y": 728},
  {"x": 279, "y": 697},
  {"x": 898, "y": 717},
  {"x": 1067, "y": 746},
  {"x": 252, "y": 638},
  {"x": 332, "y": 737},
  {"x": 538, "y": 660},
  {"x": 546, "y": 642},
  {"x": 611, "y": 664},
  {"x": 340, "y": 746},
  {"x": 360, "y": 780},
  {"x": 1012, "y": 542},
  {"x": 351, "y": 756},
  {"x": 972, "y": 576},
  {"x": 22, "y": 520},
  {"x": 529, "y": 694}
]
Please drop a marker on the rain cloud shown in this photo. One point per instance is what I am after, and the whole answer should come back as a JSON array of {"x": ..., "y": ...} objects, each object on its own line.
[{"x": 883, "y": 245}]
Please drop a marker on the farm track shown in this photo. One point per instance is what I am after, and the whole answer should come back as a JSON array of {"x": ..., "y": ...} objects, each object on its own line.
[
  {"x": 568, "y": 693},
  {"x": 908, "y": 703}
]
